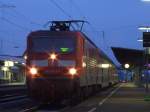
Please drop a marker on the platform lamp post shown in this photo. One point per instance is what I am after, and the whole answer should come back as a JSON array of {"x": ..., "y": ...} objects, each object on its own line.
[
  {"x": 126, "y": 66},
  {"x": 146, "y": 45}
]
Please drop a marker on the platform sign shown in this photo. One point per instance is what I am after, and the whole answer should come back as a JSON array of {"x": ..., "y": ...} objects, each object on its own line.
[{"x": 146, "y": 39}]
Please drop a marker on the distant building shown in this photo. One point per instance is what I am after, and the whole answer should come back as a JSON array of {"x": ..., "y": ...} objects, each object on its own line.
[{"x": 12, "y": 69}]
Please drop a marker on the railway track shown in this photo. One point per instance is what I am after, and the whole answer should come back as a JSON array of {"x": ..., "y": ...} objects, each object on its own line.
[
  {"x": 12, "y": 89},
  {"x": 12, "y": 97},
  {"x": 46, "y": 108},
  {"x": 10, "y": 93}
]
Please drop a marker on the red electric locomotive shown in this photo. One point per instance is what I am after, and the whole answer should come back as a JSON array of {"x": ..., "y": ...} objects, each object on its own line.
[{"x": 65, "y": 64}]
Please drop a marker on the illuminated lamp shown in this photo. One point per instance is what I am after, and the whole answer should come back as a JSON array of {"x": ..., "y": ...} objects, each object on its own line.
[
  {"x": 8, "y": 63},
  {"x": 33, "y": 71},
  {"x": 145, "y": 0},
  {"x": 5, "y": 68},
  {"x": 83, "y": 64},
  {"x": 53, "y": 56},
  {"x": 104, "y": 65},
  {"x": 126, "y": 66},
  {"x": 25, "y": 57},
  {"x": 72, "y": 71}
]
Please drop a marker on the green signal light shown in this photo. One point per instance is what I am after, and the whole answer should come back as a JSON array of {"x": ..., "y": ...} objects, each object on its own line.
[{"x": 64, "y": 49}]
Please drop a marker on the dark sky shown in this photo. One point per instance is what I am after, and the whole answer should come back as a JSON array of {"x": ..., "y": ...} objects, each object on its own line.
[{"x": 118, "y": 19}]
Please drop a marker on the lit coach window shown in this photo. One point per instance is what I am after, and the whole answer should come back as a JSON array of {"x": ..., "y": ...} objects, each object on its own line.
[{"x": 25, "y": 57}]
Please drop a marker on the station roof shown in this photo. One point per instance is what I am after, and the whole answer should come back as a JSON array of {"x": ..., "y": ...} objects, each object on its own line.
[{"x": 131, "y": 56}]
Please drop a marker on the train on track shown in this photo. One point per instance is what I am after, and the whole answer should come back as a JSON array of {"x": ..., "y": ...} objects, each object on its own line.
[{"x": 63, "y": 63}]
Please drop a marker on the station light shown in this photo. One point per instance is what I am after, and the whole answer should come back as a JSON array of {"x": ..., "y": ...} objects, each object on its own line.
[
  {"x": 126, "y": 66},
  {"x": 72, "y": 71},
  {"x": 23, "y": 64},
  {"x": 143, "y": 75},
  {"x": 144, "y": 28},
  {"x": 140, "y": 40},
  {"x": 145, "y": 0},
  {"x": 8, "y": 63},
  {"x": 16, "y": 62},
  {"x": 5, "y": 68}
]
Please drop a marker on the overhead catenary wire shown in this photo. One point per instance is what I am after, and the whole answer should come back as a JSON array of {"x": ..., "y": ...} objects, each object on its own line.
[
  {"x": 3, "y": 5},
  {"x": 82, "y": 14},
  {"x": 14, "y": 24},
  {"x": 4, "y": 34},
  {"x": 61, "y": 9},
  {"x": 89, "y": 23},
  {"x": 9, "y": 21},
  {"x": 26, "y": 18},
  {"x": 79, "y": 9}
]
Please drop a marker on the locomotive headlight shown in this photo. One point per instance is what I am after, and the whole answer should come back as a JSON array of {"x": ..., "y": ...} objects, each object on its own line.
[
  {"x": 53, "y": 56},
  {"x": 33, "y": 71},
  {"x": 72, "y": 71}
]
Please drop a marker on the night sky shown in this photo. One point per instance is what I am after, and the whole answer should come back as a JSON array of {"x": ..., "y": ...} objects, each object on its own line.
[{"x": 118, "y": 19}]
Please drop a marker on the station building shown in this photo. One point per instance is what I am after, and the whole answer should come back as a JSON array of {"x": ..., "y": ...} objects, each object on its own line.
[{"x": 12, "y": 70}]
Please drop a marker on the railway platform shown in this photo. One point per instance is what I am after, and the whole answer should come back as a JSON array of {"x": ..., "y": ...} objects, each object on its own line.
[
  {"x": 127, "y": 97},
  {"x": 14, "y": 88}
]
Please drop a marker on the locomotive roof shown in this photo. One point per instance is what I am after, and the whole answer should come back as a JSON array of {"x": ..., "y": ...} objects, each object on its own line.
[{"x": 45, "y": 32}]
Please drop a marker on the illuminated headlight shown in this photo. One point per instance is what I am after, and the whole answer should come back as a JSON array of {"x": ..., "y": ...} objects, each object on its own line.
[
  {"x": 72, "y": 71},
  {"x": 53, "y": 56},
  {"x": 33, "y": 71}
]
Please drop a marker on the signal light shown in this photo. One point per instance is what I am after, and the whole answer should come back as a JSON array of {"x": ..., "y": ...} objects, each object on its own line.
[
  {"x": 72, "y": 71},
  {"x": 33, "y": 71}
]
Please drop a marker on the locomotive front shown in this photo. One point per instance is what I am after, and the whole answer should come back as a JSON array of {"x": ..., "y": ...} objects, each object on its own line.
[{"x": 52, "y": 65}]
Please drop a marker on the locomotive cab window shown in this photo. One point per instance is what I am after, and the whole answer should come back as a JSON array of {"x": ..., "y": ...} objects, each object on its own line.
[{"x": 57, "y": 44}]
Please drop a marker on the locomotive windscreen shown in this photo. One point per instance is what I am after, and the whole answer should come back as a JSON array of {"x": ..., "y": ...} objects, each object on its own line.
[{"x": 57, "y": 44}]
